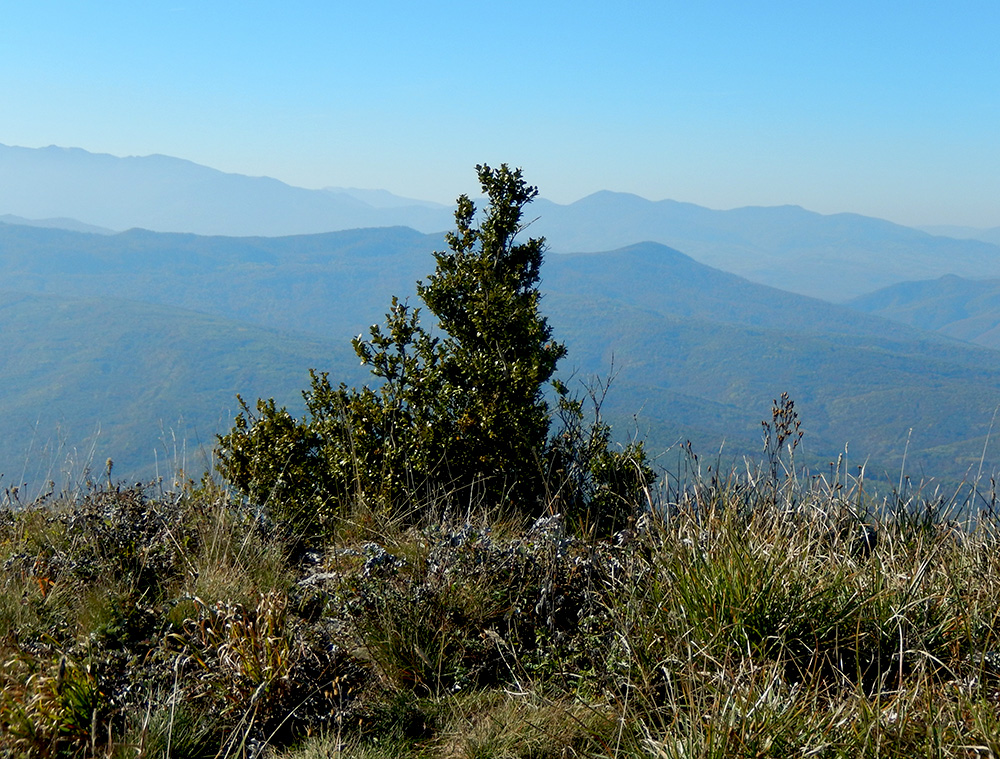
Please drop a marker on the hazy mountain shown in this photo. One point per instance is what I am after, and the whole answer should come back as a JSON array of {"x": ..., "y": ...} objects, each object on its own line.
[
  {"x": 832, "y": 257},
  {"x": 385, "y": 199},
  {"x": 331, "y": 284},
  {"x": 172, "y": 195},
  {"x": 699, "y": 354},
  {"x": 656, "y": 278},
  {"x": 60, "y": 223},
  {"x": 991, "y": 235},
  {"x": 967, "y": 309}
]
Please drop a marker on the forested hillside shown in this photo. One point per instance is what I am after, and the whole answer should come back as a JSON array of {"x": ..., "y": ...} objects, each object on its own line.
[{"x": 697, "y": 353}]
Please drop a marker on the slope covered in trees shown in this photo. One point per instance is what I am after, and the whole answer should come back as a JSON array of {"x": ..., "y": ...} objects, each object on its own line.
[{"x": 699, "y": 353}]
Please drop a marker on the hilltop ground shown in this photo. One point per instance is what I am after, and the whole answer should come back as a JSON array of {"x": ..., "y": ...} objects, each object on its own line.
[{"x": 743, "y": 617}]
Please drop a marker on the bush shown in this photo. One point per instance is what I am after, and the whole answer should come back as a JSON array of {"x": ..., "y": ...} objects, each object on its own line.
[{"x": 458, "y": 412}]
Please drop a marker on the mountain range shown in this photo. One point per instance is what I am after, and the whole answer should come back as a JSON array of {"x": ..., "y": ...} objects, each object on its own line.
[
  {"x": 834, "y": 257},
  {"x": 150, "y": 336},
  {"x": 169, "y": 194},
  {"x": 132, "y": 345}
]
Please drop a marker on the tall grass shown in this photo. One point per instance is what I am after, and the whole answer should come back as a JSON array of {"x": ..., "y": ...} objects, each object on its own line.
[{"x": 749, "y": 615}]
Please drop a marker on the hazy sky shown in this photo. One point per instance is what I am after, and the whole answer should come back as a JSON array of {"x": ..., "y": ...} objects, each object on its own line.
[{"x": 884, "y": 108}]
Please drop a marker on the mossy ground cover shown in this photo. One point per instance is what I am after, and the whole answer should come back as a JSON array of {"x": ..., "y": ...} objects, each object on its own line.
[{"x": 738, "y": 619}]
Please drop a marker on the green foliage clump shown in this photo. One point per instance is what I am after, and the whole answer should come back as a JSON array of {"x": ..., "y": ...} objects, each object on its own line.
[{"x": 458, "y": 410}]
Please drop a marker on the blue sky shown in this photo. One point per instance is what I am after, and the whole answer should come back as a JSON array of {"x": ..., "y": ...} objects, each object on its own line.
[{"x": 890, "y": 109}]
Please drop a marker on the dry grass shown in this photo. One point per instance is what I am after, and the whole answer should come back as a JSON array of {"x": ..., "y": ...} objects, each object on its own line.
[{"x": 747, "y": 620}]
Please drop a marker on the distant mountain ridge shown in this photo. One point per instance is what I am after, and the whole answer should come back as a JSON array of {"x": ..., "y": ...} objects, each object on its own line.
[
  {"x": 326, "y": 284},
  {"x": 966, "y": 309},
  {"x": 61, "y": 223},
  {"x": 657, "y": 278},
  {"x": 831, "y": 257},
  {"x": 385, "y": 199},
  {"x": 168, "y": 194},
  {"x": 990, "y": 235}
]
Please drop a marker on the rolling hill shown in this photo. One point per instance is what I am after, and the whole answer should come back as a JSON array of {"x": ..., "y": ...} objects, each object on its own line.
[
  {"x": 332, "y": 284},
  {"x": 698, "y": 353},
  {"x": 683, "y": 332},
  {"x": 990, "y": 235},
  {"x": 966, "y": 309},
  {"x": 87, "y": 379}
]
